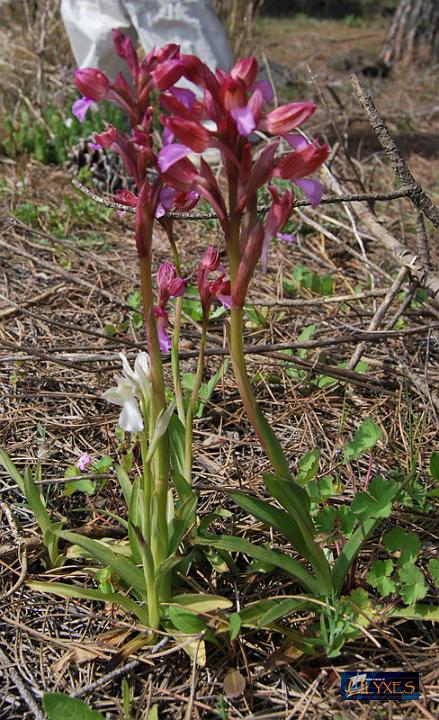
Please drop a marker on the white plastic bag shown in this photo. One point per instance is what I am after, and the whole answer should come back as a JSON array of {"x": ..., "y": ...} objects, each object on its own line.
[{"x": 192, "y": 24}]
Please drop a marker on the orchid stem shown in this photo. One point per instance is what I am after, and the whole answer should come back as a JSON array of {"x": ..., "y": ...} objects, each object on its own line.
[
  {"x": 267, "y": 438},
  {"x": 160, "y": 463},
  {"x": 175, "y": 361},
  {"x": 188, "y": 449}
]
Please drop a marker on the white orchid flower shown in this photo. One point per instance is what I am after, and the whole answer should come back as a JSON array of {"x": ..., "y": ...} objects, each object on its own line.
[{"x": 133, "y": 387}]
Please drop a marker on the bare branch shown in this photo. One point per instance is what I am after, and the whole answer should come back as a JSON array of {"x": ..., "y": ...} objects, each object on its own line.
[{"x": 417, "y": 195}]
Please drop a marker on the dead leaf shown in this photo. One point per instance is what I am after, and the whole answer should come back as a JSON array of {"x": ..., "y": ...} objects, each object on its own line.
[
  {"x": 234, "y": 684},
  {"x": 77, "y": 655}
]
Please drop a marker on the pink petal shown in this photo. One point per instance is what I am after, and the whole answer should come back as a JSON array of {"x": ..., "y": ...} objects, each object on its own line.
[
  {"x": 244, "y": 119},
  {"x": 313, "y": 189},
  {"x": 170, "y": 154},
  {"x": 297, "y": 142},
  {"x": 80, "y": 108},
  {"x": 286, "y": 237},
  {"x": 266, "y": 90}
]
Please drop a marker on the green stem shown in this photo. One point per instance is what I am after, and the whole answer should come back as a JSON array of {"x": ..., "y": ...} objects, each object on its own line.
[
  {"x": 188, "y": 449},
  {"x": 175, "y": 361},
  {"x": 160, "y": 463},
  {"x": 267, "y": 438},
  {"x": 151, "y": 588}
]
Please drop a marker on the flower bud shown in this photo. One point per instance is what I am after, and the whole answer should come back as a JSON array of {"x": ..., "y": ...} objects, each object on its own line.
[
  {"x": 92, "y": 83},
  {"x": 211, "y": 259},
  {"x": 285, "y": 118}
]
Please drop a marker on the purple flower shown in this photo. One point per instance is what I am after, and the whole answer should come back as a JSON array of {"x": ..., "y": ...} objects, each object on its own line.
[
  {"x": 83, "y": 462},
  {"x": 170, "y": 154},
  {"x": 245, "y": 120},
  {"x": 80, "y": 108}
]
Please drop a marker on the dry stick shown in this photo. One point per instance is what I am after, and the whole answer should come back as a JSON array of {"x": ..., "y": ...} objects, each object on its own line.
[
  {"x": 8, "y": 668},
  {"x": 354, "y": 336},
  {"x": 380, "y": 314},
  {"x": 359, "y": 197},
  {"x": 400, "y": 167},
  {"x": 423, "y": 249},
  {"x": 325, "y": 300},
  {"x": 118, "y": 671}
]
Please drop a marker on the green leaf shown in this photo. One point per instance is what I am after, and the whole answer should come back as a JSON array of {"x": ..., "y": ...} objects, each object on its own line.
[
  {"x": 183, "y": 519},
  {"x": 404, "y": 541},
  {"x": 417, "y": 612},
  {"x": 198, "y": 602},
  {"x": 433, "y": 568},
  {"x": 320, "y": 490},
  {"x": 274, "y": 448},
  {"x": 126, "y": 570},
  {"x": 11, "y": 469},
  {"x": 377, "y": 501},
  {"x": 176, "y": 442},
  {"x": 276, "y": 519},
  {"x": 63, "y": 707},
  {"x": 125, "y": 483},
  {"x": 207, "y": 389},
  {"x": 186, "y": 621},
  {"x": 308, "y": 466},
  {"x": 235, "y": 625},
  {"x": 379, "y": 577},
  {"x": 364, "y": 439},
  {"x": 413, "y": 585},
  {"x": 280, "y": 560},
  {"x": 296, "y": 502},
  {"x": 252, "y": 614},
  {"x": 102, "y": 465},
  {"x": 434, "y": 465},
  {"x": 350, "y": 551},
  {"x": 73, "y": 591},
  {"x": 160, "y": 429}
]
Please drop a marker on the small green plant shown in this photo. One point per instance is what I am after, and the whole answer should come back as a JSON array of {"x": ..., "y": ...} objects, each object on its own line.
[
  {"x": 60, "y": 707},
  {"x": 49, "y": 137}
]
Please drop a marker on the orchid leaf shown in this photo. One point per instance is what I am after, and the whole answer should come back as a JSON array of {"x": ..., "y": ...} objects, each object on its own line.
[
  {"x": 176, "y": 442},
  {"x": 123, "y": 567},
  {"x": 280, "y": 560},
  {"x": 308, "y": 466},
  {"x": 125, "y": 483},
  {"x": 199, "y": 602},
  {"x": 274, "y": 448},
  {"x": 11, "y": 469},
  {"x": 350, "y": 551},
  {"x": 160, "y": 429},
  {"x": 277, "y": 519},
  {"x": 252, "y": 614},
  {"x": 295, "y": 501},
  {"x": 183, "y": 519},
  {"x": 82, "y": 593}
]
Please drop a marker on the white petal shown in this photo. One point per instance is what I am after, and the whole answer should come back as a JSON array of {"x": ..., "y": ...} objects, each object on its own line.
[
  {"x": 130, "y": 418},
  {"x": 120, "y": 394},
  {"x": 129, "y": 374},
  {"x": 142, "y": 369}
]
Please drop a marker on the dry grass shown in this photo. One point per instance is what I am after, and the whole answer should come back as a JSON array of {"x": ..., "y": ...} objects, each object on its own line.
[{"x": 57, "y": 297}]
